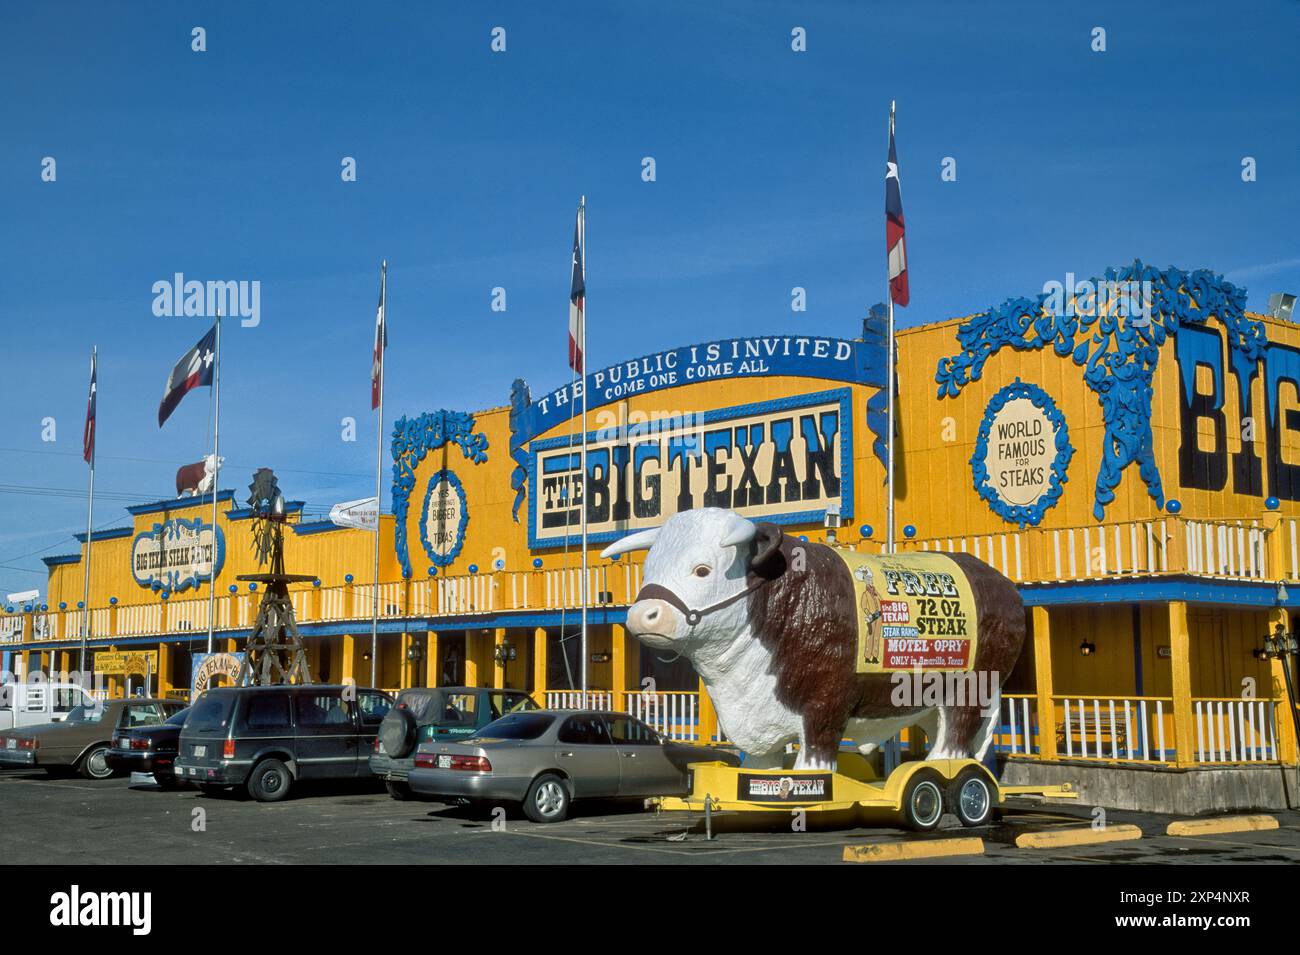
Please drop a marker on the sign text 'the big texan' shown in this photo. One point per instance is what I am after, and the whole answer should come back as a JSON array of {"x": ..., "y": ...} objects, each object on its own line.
[{"x": 784, "y": 461}]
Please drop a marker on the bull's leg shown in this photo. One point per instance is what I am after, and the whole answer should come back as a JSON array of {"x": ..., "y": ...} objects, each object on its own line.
[
  {"x": 989, "y": 719},
  {"x": 958, "y": 726},
  {"x": 817, "y": 750}
]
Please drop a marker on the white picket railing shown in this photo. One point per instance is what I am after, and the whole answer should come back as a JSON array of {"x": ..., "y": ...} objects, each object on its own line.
[
  {"x": 573, "y": 700},
  {"x": 673, "y": 714},
  {"x": 1226, "y": 549},
  {"x": 1017, "y": 734},
  {"x": 1101, "y": 727},
  {"x": 1234, "y": 730}
]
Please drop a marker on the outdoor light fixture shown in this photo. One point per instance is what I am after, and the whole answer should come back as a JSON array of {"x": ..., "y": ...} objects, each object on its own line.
[
  {"x": 1281, "y": 592},
  {"x": 505, "y": 653},
  {"x": 1087, "y": 648},
  {"x": 415, "y": 652},
  {"x": 1280, "y": 645}
]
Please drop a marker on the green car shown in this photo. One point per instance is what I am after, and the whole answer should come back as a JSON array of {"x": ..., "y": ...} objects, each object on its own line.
[{"x": 444, "y": 714}]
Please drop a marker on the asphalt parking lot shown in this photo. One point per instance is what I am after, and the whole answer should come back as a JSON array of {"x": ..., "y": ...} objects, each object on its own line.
[{"x": 70, "y": 820}]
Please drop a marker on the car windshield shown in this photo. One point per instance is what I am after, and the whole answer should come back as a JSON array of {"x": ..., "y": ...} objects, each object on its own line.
[
  {"x": 518, "y": 726},
  {"x": 210, "y": 712},
  {"x": 87, "y": 714}
]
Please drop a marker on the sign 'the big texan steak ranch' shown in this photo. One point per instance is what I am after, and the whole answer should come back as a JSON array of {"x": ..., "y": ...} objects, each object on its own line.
[
  {"x": 782, "y": 461},
  {"x": 915, "y": 611}
]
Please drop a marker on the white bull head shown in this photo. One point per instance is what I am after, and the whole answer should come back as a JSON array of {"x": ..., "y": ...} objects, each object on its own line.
[{"x": 695, "y": 579}]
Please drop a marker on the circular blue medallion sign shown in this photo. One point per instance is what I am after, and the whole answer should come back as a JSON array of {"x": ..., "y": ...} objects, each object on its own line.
[
  {"x": 1021, "y": 454},
  {"x": 443, "y": 518}
]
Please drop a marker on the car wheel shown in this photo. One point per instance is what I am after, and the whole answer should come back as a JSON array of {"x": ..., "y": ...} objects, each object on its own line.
[
  {"x": 923, "y": 801},
  {"x": 399, "y": 790},
  {"x": 547, "y": 799},
  {"x": 94, "y": 765},
  {"x": 269, "y": 781},
  {"x": 971, "y": 798},
  {"x": 397, "y": 732}
]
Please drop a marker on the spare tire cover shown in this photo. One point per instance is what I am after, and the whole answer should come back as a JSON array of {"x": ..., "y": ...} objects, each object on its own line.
[{"x": 397, "y": 732}]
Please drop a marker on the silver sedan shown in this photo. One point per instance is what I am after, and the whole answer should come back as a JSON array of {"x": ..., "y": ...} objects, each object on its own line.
[{"x": 545, "y": 759}]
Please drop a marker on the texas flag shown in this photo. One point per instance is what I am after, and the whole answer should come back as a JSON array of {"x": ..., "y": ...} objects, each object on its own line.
[
  {"x": 88, "y": 434},
  {"x": 381, "y": 342},
  {"x": 578, "y": 293},
  {"x": 194, "y": 370},
  {"x": 894, "y": 240}
]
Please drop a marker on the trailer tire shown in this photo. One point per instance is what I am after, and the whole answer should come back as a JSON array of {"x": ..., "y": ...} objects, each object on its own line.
[
  {"x": 923, "y": 800},
  {"x": 972, "y": 798}
]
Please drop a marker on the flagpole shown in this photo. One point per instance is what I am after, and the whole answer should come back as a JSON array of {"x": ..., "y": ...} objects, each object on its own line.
[
  {"x": 90, "y": 519},
  {"x": 216, "y": 483},
  {"x": 582, "y": 350},
  {"x": 889, "y": 400},
  {"x": 381, "y": 345}
]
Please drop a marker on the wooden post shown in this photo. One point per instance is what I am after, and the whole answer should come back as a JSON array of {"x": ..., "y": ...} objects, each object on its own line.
[
  {"x": 163, "y": 678},
  {"x": 1181, "y": 665},
  {"x": 539, "y": 665},
  {"x": 618, "y": 685},
  {"x": 500, "y": 672},
  {"x": 1043, "y": 679},
  {"x": 407, "y": 668},
  {"x": 471, "y": 658},
  {"x": 432, "y": 672},
  {"x": 349, "y": 661},
  {"x": 708, "y": 727}
]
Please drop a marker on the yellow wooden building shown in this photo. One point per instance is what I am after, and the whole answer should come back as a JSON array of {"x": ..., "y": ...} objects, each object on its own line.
[{"x": 1126, "y": 449}]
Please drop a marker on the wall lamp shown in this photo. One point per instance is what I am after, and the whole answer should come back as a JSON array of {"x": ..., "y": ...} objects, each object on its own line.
[
  {"x": 505, "y": 653},
  {"x": 1087, "y": 648}
]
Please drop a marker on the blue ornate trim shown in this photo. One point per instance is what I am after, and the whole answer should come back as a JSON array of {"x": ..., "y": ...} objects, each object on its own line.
[
  {"x": 413, "y": 438},
  {"x": 172, "y": 580},
  {"x": 520, "y": 399},
  {"x": 442, "y": 560},
  {"x": 1022, "y": 514},
  {"x": 1119, "y": 354}
]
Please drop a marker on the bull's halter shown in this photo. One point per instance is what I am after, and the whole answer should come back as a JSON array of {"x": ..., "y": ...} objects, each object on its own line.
[{"x": 693, "y": 617}]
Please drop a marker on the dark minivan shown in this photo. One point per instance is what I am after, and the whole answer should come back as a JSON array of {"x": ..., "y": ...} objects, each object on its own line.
[{"x": 266, "y": 738}]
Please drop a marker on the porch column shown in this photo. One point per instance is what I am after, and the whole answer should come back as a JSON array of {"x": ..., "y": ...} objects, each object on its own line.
[
  {"x": 1181, "y": 666},
  {"x": 472, "y": 640},
  {"x": 499, "y": 671},
  {"x": 349, "y": 662},
  {"x": 539, "y": 665},
  {"x": 431, "y": 671},
  {"x": 618, "y": 653},
  {"x": 1285, "y": 732},
  {"x": 1043, "y": 683},
  {"x": 407, "y": 668},
  {"x": 163, "y": 678},
  {"x": 708, "y": 726}
]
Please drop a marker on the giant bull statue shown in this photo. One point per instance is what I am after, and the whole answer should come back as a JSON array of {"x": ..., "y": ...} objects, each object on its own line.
[{"x": 771, "y": 625}]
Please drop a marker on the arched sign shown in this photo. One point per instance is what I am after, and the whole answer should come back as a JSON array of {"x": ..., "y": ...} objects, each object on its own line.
[
  {"x": 1022, "y": 453},
  {"x": 177, "y": 554},
  {"x": 443, "y": 518},
  {"x": 214, "y": 669}
]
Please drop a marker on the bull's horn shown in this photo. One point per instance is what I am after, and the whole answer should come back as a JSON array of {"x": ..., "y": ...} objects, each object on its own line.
[
  {"x": 641, "y": 540},
  {"x": 739, "y": 531}
]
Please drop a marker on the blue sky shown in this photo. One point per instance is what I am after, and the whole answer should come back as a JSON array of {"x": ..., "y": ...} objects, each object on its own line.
[{"x": 225, "y": 165}]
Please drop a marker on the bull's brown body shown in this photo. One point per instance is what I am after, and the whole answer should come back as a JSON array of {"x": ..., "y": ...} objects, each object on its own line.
[{"x": 807, "y": 619}]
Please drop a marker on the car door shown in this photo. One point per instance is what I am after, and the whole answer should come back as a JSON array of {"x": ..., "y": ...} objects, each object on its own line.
[
  {"x": 326, "y": 741},
  {"x": 644, "y": 767},
  {"x": 584, "y": 751}
]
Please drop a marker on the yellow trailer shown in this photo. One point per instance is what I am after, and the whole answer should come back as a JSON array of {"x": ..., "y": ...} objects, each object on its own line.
[{"x": 916, "y": 794}]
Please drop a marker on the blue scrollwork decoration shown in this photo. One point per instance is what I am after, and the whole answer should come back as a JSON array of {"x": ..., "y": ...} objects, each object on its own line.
[
  {"x": 413, "y": 438},
  {"x": 1117, "y": 345},
  {"x": 520, "y": 399},
  {"x": 1032, "y": 513}
]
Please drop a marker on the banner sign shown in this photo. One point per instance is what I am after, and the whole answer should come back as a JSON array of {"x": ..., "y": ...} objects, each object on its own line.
[
  {"x": 177, "y": 554},
  {"x": 362, "y": 514},
  {"x": 796, "y": 356},
  {"x": 443, "y": 518},
  {"x": 1022, "y": 453},
  {"x": 784, "y": 461},
  {"x": 915, "y": 612},
  {"x": 213, "y": 669},
  {"x": 141, "y": 662}
]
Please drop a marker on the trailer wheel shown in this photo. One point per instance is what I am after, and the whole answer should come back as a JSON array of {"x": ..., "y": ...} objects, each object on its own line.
[
  {"x": 971, "y": 798},
  {"x": 923, "y": 801}
]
